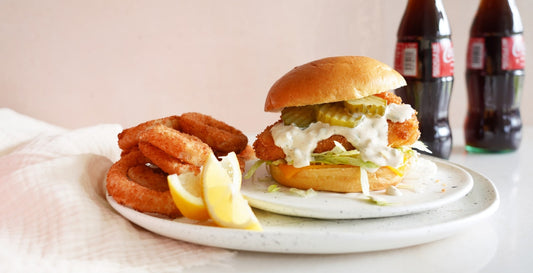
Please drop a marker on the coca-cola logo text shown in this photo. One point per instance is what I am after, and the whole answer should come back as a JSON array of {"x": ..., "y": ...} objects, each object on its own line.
[
  {"x": 513, "y": 52},
  {"x": 443, "y": 58}
]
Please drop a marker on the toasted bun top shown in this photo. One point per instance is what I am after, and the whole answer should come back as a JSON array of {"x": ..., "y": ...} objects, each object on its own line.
[{"x": 332, "y": 79}]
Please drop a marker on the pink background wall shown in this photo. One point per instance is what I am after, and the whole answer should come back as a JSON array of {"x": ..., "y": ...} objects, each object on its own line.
[{"x": 79, "y": 63}]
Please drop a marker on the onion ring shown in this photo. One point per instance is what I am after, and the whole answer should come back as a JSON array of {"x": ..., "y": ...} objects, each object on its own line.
[
  {"x": 221, "y": 137},
  {"x": 184, "y": 147},
  {"x": 171, "y": 149},
  {"x": 164, "y": 161},
  {"x": 134, "y": 195},
  {"x": 129, "y": 138},
  {"x": 149, "y": 177}
]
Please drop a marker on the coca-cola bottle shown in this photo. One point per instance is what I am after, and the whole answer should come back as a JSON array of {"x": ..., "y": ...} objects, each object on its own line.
[
  {"x": 494, "y": 78},
  {"x": 424, "y": 56}
]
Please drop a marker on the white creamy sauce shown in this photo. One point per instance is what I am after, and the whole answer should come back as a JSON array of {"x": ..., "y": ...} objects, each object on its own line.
[
  {"x": 370, "y": 137},
  {"x": 392, "y": 190},
  {"x": 399, "y": 112}
]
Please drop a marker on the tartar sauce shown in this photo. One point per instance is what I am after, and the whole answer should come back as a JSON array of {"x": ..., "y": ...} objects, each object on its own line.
[
  {"x": 370, "y": 137},
  {"x": 399, "y": 112}
]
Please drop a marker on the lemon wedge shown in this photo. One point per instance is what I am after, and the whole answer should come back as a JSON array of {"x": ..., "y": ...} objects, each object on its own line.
[
  {"x": 186, "y": 191},
  {"x": 221, "y": 191},
  {"x": 231, "y": 164}
]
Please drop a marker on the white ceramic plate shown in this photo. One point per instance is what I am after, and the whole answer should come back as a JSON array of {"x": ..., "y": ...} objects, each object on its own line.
[
  {"x": 450, "y": 183},
  {"x": 286, "y": 234}
]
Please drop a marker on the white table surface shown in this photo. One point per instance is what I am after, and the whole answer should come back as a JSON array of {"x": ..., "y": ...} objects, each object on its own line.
[{"x": 501, "y": 243}]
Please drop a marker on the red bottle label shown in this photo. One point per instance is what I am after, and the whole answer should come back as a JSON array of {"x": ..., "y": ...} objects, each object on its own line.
[
  {"x": 513, "y": 53},
  {"x": 442, "y": 62},
  {"x": 443, "y": 59},
  {"x": 406, "y": 59},
  {"x": 475, "y": 57}
]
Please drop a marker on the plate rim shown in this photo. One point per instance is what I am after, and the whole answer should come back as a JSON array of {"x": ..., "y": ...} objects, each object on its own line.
[{"x": 288, "y": 238}]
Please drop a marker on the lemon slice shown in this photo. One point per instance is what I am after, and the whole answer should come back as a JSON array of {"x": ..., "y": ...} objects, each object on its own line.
[
  {"x": 186, "y": 191},
  {"x": 224, "y": 201},
  {"x": 231, "y": 164}
]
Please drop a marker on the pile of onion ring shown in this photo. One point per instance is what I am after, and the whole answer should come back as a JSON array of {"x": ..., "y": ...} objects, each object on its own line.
[{"x": 172, "y": 145}]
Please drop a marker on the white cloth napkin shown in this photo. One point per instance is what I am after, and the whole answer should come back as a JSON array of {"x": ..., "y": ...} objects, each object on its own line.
[{"x": 53, "y": 213}]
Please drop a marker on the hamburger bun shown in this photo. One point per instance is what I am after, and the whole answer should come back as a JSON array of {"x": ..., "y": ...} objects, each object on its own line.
[
  {"x": 334, "y": 178},
  {"x": 332, "y": 79}
]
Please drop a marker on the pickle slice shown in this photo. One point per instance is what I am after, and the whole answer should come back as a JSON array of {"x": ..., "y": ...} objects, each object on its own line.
[
  {"x": 336, "y": 114},
  {"x": 369, "y": 106},
  {"x": 300, "y": 116}
]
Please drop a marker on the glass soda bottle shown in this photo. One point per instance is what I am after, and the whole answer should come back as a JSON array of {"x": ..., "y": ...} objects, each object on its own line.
[
  {"x": 494, "y": 78},
  {"x": 424, "y": 56}
]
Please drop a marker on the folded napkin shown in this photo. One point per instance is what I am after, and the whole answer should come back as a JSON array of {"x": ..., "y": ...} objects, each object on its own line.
[{"x": 54, "y": 216}]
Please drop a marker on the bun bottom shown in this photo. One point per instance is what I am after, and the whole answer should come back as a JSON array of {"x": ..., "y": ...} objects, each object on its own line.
[{"x": 334, "y": 178}]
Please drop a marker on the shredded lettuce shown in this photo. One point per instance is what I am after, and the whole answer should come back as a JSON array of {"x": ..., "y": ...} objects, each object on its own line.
[
  {"x": 339, "y": 156},
  {"x": 378, "y": 201},
  {"x": 273, "y": 188},
  {"x": 419, "y": 145},
  {"x": 254, "y": 168},
  {"x": 303, "y": 193},
  {"x": 258, "y": 164}
]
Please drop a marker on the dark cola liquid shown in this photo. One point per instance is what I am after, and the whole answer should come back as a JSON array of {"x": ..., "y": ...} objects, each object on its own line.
[
  {"x": 494, "y": 77},
  {"x": 493, "y": 122}
]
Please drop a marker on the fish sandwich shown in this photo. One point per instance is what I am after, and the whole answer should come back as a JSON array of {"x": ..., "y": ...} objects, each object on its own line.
[{"x": 342, "y": 129}]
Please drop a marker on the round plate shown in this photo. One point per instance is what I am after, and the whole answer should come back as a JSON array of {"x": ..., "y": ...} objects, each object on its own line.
[
  {"x": 286, "y": 234},
  {"x": 450, "y": 183}
]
